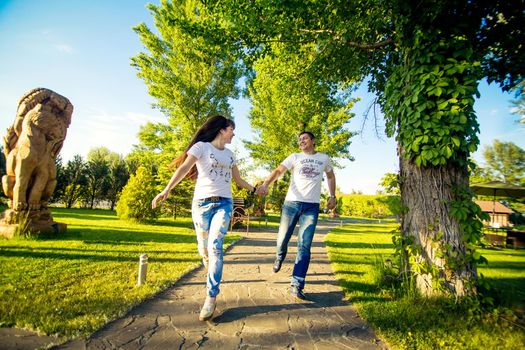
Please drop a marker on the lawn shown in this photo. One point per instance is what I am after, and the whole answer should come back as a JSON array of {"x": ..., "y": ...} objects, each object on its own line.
[
  {"x": 407, "y": 323},
  {"x": 73, "y": 283}
]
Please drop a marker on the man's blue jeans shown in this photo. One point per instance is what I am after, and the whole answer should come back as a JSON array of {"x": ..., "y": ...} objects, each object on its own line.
[
  {"x": 211, "y": 219},
  {"x": 306, "y": 214}
]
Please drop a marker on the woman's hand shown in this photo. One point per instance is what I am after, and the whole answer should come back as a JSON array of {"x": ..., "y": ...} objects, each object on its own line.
[
  {"x": 161, "y": 196},
  {"x": 262, "y": 190}
]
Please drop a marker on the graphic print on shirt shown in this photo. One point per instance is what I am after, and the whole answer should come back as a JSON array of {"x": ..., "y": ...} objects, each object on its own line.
[
  {"x": 218, "y": 171},
  {"x": 310, "y": 168}
]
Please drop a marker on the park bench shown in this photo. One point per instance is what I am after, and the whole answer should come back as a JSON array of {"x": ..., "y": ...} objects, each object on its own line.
[{"x": 240, "y": 214}]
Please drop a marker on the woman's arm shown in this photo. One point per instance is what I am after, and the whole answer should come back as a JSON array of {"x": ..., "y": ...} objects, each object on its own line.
[
  {"x": 263, "y": 189},
  {"x": 239, "y": 181},
  {"x": 178, "y": 175}
]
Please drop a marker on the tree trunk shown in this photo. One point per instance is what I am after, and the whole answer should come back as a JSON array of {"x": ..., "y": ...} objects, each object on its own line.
[
  {"x": 92, "y": 199},
  {"x": 427, "y": 192}
]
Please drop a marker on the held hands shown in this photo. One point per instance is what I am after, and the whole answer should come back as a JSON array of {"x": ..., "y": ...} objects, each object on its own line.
[
  {"x": 262, "y": 190},
  {"x": 332, "y": 203},
  {"x": 161, "y": 196}
]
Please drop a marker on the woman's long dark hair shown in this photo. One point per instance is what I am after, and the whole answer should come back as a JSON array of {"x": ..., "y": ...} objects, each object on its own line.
[{"x": 206, "y": 133}]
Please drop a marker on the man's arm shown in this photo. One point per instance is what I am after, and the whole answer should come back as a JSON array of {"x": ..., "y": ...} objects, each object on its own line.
[
  {"x": 263, "y": 189},
  {"x": 332, "y": 201}
]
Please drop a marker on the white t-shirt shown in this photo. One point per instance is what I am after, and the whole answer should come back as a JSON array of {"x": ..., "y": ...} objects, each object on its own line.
[
  {"x": 215, "y": 170},
  {"x": 307, "y": 176}
]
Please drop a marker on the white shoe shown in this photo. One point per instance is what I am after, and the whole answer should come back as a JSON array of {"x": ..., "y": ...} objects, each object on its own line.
[{"x": 207, "y": 309}]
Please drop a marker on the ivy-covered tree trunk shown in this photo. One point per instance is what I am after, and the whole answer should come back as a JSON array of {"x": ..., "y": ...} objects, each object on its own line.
[
  {"x": 435, "y": 236},
  {"x": 430, "y": 100}
]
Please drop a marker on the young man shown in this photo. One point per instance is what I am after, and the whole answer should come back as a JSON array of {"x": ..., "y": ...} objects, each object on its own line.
[{"x": 301, "y": 205}]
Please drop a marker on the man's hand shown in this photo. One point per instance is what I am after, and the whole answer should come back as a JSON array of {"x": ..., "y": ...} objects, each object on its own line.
[
  {"x": 332, "y": 203},
  {"x": 262, "y": 190}
]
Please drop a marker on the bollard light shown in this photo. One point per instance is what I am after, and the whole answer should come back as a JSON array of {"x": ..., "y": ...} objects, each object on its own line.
[{"x": 143, "y": 269}]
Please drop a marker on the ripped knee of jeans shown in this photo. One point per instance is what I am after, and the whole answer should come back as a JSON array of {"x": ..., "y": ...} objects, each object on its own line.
[{"x": 202, "y": 242}]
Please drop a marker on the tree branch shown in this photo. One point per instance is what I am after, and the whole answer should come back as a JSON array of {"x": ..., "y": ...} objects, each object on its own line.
[
  {"x": 373, "y": 46},
  {"x": 336, "y": 36}
]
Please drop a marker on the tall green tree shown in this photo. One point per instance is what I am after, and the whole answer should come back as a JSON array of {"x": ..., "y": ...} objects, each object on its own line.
[
  {"x": 76, "y": 178},
  {"x": 97, "y": 171},
  {"x": 189, "y": 78},
  {"x": 108, "y": 173},
  {"x": 505, "y": 162},
  {"x": 118, "y": 177},
  {"x": 478, "y": 174},
  {"x": 424, "y": 60},
  {"x": 286, "y": 102},
  {"x": 61, "y": 177}
]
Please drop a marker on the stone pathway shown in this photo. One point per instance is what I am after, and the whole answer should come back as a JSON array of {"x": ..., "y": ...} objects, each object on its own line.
[{"x": 254, "y": 309}]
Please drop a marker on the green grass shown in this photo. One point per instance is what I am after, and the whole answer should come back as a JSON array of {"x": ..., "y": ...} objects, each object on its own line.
[
  {"x": 73, "y": 283},
  {"x": 407, "y": 323}
]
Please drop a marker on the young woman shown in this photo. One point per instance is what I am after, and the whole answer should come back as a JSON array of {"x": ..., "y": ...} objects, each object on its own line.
[{"x": 207, "y": 159}]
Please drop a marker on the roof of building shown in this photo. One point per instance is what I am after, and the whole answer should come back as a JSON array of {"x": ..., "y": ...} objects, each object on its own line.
[{"x": 496, "y": 207}]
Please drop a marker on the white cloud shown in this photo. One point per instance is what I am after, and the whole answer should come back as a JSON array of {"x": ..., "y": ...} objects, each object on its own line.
[
  {"x": 95, "y": 128},
  {"x": 141, "y": 119},
  {"x": 64, "y": 48}
]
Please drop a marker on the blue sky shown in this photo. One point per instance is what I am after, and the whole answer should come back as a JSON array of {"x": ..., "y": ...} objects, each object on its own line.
[{"x": 82, "y": 50}]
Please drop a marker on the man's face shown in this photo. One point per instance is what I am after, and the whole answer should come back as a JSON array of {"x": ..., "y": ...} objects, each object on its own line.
[{"x": 306, "y": 142}]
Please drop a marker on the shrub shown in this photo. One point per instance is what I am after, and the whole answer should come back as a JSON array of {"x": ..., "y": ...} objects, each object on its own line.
[
  {"x": 135, "y": 200},
  {"x": 371, "y": 206}
]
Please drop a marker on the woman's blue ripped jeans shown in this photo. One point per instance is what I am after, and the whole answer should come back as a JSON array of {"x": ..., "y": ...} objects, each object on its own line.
[{"x": 211, "y": 219}]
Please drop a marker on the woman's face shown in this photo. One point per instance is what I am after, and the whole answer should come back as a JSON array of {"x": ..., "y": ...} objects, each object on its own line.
[{"x": 228, "y": 134}]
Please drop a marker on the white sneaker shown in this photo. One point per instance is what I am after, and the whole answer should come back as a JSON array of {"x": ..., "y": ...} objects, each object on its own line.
[{"x": 207, "y": 309}]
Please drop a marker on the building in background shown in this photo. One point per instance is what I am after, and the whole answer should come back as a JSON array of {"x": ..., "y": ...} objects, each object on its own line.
[{"x": 499, "y": 214}]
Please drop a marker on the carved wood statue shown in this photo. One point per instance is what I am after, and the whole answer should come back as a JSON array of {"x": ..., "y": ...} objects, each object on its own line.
[{"x": 31, "y": 145}]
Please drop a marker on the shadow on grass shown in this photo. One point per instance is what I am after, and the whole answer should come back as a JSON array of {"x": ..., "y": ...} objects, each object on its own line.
[
  {"x": 506, "y": 265},
  {"x": 116, "y": 236},
  {"x": 131, "y": 256},
  {"x": 509, "y": 291},
  {"x": 95, "y": 215},
  {"x": 350, "y": 245}
]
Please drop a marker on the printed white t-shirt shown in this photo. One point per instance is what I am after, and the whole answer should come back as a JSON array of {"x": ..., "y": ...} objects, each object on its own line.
[
  {"x": 307, "y": 176},
  {"x": 215, "y": 170}
]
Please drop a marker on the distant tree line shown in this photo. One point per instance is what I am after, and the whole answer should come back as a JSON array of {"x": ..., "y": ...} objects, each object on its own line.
[{"x": 95, "y": 181}]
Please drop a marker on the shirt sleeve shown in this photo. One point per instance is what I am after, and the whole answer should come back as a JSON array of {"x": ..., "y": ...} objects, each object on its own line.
[
  {"x": 288, "y": 162},
  {"x": 196, "y": 150},
  {"x": 234, "y": 159},
  {"x": 328, "y": 166}
]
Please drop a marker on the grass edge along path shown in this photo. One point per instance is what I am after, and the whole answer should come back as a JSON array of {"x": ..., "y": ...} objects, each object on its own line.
[
  {"x": 356, "y": 251},
  {"x": 72, "y": 284}
]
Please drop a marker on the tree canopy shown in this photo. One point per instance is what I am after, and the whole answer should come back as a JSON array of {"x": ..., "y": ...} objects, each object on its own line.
[
  {"x": 190, "y": 78},
  {"x": 505, "y": 161},
  {"x": 285, "y": 102}
]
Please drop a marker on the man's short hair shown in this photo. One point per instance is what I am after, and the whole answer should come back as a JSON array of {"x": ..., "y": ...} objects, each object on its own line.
[{"x": 308, "y": 133}]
